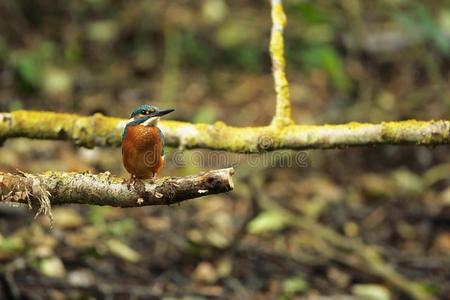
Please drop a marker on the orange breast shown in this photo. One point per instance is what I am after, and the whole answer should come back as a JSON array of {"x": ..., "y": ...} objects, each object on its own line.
[{"x": 142, "y": 151}]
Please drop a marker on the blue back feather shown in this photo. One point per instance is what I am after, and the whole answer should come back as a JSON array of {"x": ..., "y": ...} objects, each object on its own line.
[{"x": 163, "y": 140}]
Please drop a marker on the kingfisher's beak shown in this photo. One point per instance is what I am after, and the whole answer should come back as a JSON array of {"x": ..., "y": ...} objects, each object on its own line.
[{"x": 162, "y": 112}]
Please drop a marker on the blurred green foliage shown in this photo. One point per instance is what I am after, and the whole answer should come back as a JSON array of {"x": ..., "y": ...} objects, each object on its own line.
[
  {"x": 294, "y": 285},
  {"x": 8, "y": 245},
  {"x": 309, "y": 11},
  {"x": 196, "y": 52},
  {"x": 267, "y": 221},
  {"x": 325, "y": 57},
  {"x": 120, "y": 228},
  {"x": 28, "y": 71},
  {"x": 29, "y": 65},
  {"x": 419, "y": 21}
]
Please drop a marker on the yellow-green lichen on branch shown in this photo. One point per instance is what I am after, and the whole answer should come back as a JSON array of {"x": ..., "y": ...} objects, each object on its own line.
[
  {"x": 52, "y": 188},
  {"x": 418, "y": 132},
  {"x": 283, "y": 106},
  {"x": 99, "y": 130},
  {"x": 87, "y": 131}
]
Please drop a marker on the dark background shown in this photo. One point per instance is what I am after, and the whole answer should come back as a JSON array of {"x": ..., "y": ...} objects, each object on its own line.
[{"x": 347, "y": 61}]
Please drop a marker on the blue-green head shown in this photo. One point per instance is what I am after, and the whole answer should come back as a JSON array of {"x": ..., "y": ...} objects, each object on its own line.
[
  {"x": 147, "y": 115},
  {"x": 146, "y": 111}
]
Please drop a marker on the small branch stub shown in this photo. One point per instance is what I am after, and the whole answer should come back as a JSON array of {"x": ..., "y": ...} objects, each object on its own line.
[{"x": 104, "y": 189}]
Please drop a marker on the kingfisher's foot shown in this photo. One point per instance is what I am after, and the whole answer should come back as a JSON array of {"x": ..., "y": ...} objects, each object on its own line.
[
  {"x": 130, "y": 182},
  {"x": 152, "y": 179}
]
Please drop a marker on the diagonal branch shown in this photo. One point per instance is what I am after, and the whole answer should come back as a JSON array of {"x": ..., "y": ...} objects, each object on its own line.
[
  {"x": 283, "y": 107},
  {"x": 98, "y": 130},
  {"x": 54, "y": 188}
]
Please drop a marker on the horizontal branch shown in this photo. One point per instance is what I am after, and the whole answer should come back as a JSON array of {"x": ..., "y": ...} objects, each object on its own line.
[
  {"x": 99, "y": 130},
  {"x": 54, "y": 188}
]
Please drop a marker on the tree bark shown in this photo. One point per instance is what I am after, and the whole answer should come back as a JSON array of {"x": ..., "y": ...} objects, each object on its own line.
[
  {"x": 54, "y": 188},
  {"x": 99, "y": 130}
]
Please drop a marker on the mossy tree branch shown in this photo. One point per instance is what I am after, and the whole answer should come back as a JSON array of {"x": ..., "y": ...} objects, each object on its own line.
[
  {"x": 98, "y": 130},
  {"x": 283, "y": 107},
  {"x": 103, "y": 189}
]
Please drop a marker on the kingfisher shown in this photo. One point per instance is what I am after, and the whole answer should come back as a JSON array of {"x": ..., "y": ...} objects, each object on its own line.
[{"x": 143, "y": 143}]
